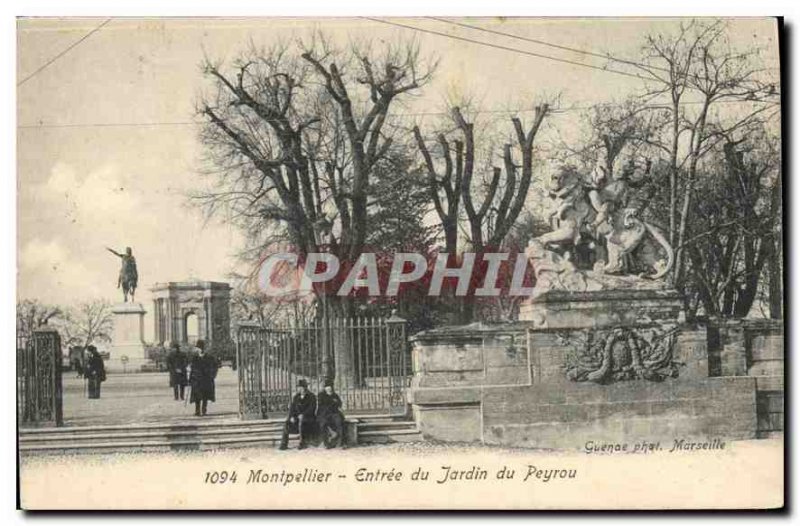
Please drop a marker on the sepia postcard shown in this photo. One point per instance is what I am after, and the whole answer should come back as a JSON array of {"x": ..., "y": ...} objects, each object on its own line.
[{"x": 400, "y": 264}]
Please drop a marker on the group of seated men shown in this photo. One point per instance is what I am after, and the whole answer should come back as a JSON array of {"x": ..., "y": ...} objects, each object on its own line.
[{"x": 309, "y": 414}]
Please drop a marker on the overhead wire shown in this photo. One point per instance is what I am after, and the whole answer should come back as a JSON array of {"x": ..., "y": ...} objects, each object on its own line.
[
  {"x": 507, "y": 48},
  {"x": 62, "y": 53}
]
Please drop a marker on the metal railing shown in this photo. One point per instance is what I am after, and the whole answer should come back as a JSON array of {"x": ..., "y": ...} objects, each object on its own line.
[
  {"x": 367, "y": 359},
  {"x": 39, "y": 389}
]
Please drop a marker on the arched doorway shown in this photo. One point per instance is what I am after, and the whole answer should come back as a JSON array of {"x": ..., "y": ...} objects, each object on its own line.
[{"x": 191, "y": 328}]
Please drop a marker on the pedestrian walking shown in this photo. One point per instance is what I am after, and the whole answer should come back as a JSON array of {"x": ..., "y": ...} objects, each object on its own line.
[
  {"x": 204, "y": 368},
  {"x": 95, "y": 371},
  {"x": 177, "y": 363}
]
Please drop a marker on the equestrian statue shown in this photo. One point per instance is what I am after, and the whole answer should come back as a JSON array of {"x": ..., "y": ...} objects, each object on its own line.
[{"x": 128, "y": 275}]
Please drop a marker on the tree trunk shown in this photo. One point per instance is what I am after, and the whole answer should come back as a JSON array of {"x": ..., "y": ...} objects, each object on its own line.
[
  {"x": 680, "y": 253},
  {"x": 775, "y": 256},
  {"x": 340, "y": 349},
  {"x": 706, "y": 295},
  {"x": 775, "y": 282},
  {"x": 673, "y": 176}
]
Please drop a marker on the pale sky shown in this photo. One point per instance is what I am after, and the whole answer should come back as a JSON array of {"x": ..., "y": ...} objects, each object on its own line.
[{"x": 103, "y": 159}]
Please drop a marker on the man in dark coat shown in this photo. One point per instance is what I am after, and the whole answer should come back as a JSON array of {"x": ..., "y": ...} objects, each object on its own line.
[
  {"x": 95, "y": 371},
  {"x": 301, "y": 416},
  {"x": 204, "y": 371},
  {"x": 330, "y": 418},
  {"x": 177, "y": 362}
]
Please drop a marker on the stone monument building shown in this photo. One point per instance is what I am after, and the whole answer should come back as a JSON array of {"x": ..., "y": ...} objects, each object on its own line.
[{"x": 175, "y": 302}]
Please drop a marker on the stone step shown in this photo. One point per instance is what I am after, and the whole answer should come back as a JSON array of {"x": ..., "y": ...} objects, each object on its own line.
[
  {"x": 266, "y": 440},
  {"x": 128, "y": 446},
  {"x": 199, "y": 423},
  {"x": 202, "y": 435},
  {"x": 387, "y": 437},
  {"x": 211, "y": 421},
  {"x": 385, "y": 426},
  {"x": 381, "y": 417},
  {"x": 192, "y": 433},
  {"x": 145, "y": 434}
]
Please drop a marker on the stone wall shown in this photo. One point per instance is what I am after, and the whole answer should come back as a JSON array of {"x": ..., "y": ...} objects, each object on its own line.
[
  {"x": 506, "y": 384},
  {"x": 752, "y": 348},
  {"x": 540, "y": 416}
]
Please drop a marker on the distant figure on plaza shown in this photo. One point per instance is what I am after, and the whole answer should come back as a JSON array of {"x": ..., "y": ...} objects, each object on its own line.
[
  {"x": 95, "y": 372},
  {"x": 77, "y": 359},
  {"x": 128, "y": 275},
  {"x": 177, "y": 363},
  {"x": 203, "y": 372},
  {"x": 301, "y": 416},
  {"x": 76, "y": 364},
  {"x": 330, "y": 418}
]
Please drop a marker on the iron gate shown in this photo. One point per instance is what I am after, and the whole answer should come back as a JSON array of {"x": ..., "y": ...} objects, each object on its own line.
[
  {"x": 39, "y": 391},
  {"x": 366, "y": 357}
]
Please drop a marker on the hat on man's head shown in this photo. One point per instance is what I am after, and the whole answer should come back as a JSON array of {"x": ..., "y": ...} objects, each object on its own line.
[
  {"x": 302, "y": 383},
  {"x": 328, "y": 383}
]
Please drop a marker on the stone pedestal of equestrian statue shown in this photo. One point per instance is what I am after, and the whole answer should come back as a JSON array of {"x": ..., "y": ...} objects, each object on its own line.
[{"x": 127, "y": 352}]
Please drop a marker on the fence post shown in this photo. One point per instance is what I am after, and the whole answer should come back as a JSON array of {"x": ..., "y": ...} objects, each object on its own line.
[
  {"x": 45, "y": 370},
  {"x": 396, "y": 345},
  {"x": 250, "y": 370},
  {"x": 240, "y": 372}
]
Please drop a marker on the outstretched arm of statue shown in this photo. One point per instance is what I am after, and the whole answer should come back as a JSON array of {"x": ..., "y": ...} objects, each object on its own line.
[{"x": 114, "y": 252}]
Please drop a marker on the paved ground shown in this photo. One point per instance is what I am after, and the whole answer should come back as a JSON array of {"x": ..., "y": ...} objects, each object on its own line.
[
  {"x": 147, "y": 397},
  {"x": 144, "y": 397}
]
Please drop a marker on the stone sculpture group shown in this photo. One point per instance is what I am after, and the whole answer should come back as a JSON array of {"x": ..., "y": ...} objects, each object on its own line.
[{"x": 598, "y": 241}]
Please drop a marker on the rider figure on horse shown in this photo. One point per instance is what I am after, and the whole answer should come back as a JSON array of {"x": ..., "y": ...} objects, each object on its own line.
[{"x": 128, "y": 275}]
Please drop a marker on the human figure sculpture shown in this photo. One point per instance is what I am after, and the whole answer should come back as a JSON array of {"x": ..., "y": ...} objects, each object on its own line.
[
  {"x": 128, "y": 275},
  {"x": 598, "y": 214}
]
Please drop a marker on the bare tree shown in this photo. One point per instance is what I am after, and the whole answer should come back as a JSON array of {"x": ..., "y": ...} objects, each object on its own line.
[
  {"x": 492, "y": 208},
  {"x": 88, "y": 323},
  {"x": 386, "y": 77},
  {"x": 296, "y": 134},
  {"x": 501, "y": 200},
  {"x": 736, "y": 227},
  {"x": 296, "y": 145},
  {"x": 33, "y": 314},
  {"x": 698, "y": 61}
]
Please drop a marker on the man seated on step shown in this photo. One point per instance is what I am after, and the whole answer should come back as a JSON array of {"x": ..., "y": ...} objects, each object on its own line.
[
  {"x": 301, "y": 416},
  {"x": 330, "y": 418}
]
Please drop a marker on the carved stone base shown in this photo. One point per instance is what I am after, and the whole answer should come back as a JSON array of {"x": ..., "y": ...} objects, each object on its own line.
[
  {"x": 127, "y": 352},
  {"x": 558, "y": 309},
  {"x": 579, "y": 368},
  {"x": 513, "y": 385}
]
